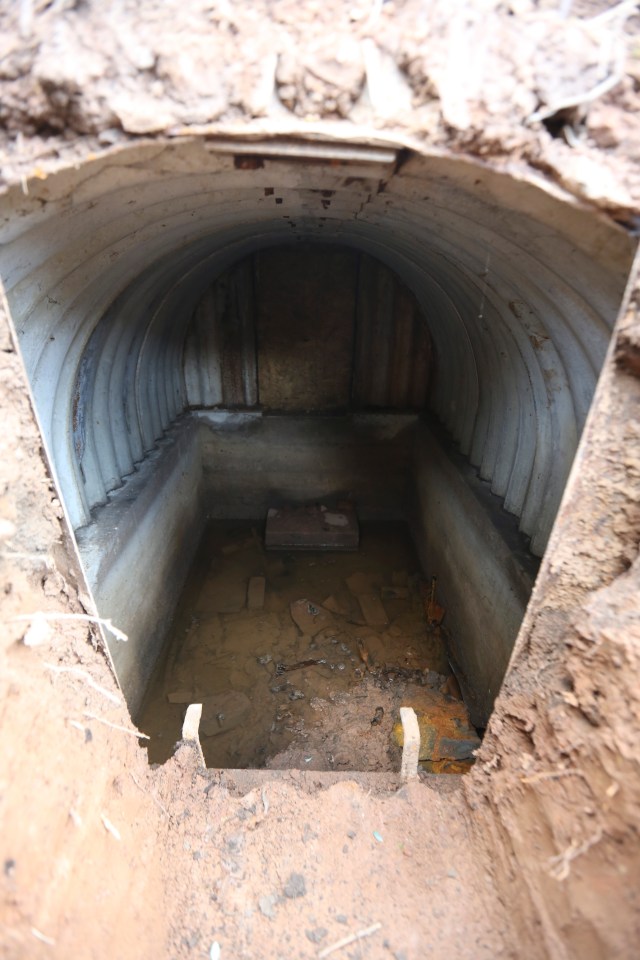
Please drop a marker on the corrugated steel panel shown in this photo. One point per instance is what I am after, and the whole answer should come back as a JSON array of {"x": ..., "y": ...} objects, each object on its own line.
[{"x": 393, "y": 347}]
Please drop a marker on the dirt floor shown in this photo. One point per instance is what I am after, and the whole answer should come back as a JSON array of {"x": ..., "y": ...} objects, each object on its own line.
[{"x": 296, "y": 676}]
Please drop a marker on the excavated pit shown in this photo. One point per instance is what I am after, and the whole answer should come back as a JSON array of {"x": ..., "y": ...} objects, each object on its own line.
[
  {"x": 302, "y": 659},
  {"x": 213, "y": 327}
]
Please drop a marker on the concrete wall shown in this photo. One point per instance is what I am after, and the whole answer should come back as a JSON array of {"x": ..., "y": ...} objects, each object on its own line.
[
  {"x": 252, "y": 461},
  {"x": 216, "y": 464},
  {"x": 481, "y": 582},
  {"x": 138, "y": 549}
]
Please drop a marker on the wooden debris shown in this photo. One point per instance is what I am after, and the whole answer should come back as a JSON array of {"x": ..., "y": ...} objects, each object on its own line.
[
  {"x": 309, "y": 617},
  {"x": 451, "y": 688},
  {"x": 411, "y": 743},
  {"x": 373, "y": 610},
  {"x": 364, "y": 654},
  {"x": 433, "y": 611},
  {"x": 255, "y": 593},
  {"x": 190, "y": 727},
  {"x": 334, "y": 605},
  {"x": 300, "y": 665},
  {"x": 339, "y": 944}
]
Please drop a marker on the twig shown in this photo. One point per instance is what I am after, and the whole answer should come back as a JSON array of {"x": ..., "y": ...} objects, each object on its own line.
[
  {"x": 83, "y": 675},
  {"x": 116, "y": 726},
  {"x": 87, "y": 618},
  {"x": 150, "y": 794},
  {"x": 110, "y": 827},
  {"x": 19, "y": 555},
  {"x": 599, "y": 90},
  {"x": 626, "y": 8},
  {"x": 339, "y": 944},
  {"x": 43, "y": 938},
  {"x": 560, "y": 865},
  {"x": 551, "y": 775}
]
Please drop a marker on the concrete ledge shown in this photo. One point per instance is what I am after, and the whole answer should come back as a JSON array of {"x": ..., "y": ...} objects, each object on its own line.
[
  {"x": 252, "y": 462},
  {"x": 482, "y": 583},
  {"x": 138, "y": 548}
]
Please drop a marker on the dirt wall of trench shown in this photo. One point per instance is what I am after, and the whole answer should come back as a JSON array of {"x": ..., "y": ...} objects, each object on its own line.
[{"x": 558, "y": 784}]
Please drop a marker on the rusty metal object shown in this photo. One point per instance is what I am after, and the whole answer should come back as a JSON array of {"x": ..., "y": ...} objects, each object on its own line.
[
  {"x": 300, "y": 665},
  {"x": 445, "y": 731}
]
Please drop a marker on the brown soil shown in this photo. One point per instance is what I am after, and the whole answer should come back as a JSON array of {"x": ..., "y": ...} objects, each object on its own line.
[{"x": 514, "y": 83}]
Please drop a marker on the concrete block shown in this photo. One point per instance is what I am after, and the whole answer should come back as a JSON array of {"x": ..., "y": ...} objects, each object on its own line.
[
  {"x": 373, "y": 610},
  {"x": 255, "y": 593}
]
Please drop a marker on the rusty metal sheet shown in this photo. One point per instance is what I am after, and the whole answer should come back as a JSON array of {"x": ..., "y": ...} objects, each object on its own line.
[
  {"x": 306, "y": 309},
  {"x": 392, "y": 356},
  {"x": 445, "y": 730}
]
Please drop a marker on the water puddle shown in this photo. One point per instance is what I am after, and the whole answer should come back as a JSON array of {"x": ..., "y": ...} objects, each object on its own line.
[{"x": 303, "y": 659}]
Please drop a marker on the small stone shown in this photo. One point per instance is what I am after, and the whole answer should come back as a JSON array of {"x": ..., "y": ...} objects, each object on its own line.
[
  {"x": 341, "y": 918},
  {"x": 453, "y": 874},
  {"x": 317, "y": 935},
  {"x": 235, "y": 843},
  {"x": 267, "y": 905},
  {"x": 295, "y": 886},
  {"x": 351, "y": 834},
  {"x": 296, "y": 695},
  {"x": 39, "y": 632},
  {"x": 7, "y": 529}
]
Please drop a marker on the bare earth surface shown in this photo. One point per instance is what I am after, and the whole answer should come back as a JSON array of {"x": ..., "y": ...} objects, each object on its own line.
[{"x": 542, "y": 85}]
